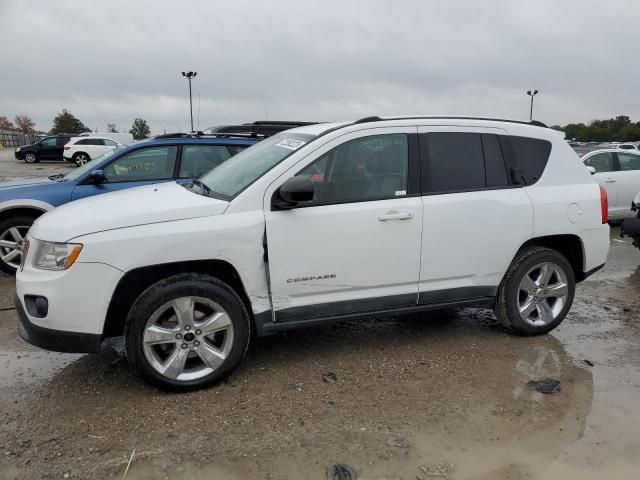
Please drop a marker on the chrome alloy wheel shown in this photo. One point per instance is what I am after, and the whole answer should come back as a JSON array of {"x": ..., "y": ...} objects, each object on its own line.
[
  {"x": 11, "y": 241},
  {"x": 30, "y": 157},
  {"x": 187, "y": 338},
  {"x": 542, "y": 294},
  {"x": 81, "y": 159}
]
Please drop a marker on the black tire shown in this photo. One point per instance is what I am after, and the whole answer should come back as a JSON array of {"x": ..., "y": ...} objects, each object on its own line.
[
  {"x": 81, "y": 158},
  {"x": 31, "y": 157},
  {"x": 18, "y": 221},
  {"x": 507, "y": 300},
  {"x": 158, "y": 294}
]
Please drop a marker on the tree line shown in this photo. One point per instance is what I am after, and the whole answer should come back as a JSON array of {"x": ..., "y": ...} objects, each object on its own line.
[
  {"x": 618, "y": 129},
  {"x": 66, "y": 122}
]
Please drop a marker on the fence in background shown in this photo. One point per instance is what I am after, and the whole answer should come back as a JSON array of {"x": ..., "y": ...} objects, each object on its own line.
[{"x": 11, "y": 139}]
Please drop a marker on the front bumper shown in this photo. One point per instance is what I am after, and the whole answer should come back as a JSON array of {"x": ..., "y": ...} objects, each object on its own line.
[
  {"x": 78, "y": 301},
  {"x": 55, "y": 340},
  {"x": 18, "y": 155}
]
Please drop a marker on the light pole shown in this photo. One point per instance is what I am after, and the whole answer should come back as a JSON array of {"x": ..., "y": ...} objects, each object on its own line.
[
  {"x": 189, "y": 76},
  {"x": 531, "y": 94}
]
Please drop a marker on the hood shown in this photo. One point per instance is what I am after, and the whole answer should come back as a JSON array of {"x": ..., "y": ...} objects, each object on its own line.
[
  {"x": 126, "y": 208},
  {"x": 24, "y": 182}
]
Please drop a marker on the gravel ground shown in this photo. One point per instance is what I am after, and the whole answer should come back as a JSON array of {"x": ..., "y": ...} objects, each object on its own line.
[
  {"x": 411, "y": 398},
  {"x": 11, "y": 169}
]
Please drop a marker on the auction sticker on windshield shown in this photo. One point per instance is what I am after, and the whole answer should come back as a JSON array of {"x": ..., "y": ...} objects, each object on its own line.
[{"x": 290, "y": 143}]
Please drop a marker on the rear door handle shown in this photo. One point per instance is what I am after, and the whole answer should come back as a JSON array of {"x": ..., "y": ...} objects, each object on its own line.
[
  {"x": 395, "y": 216},
  {"x": 610, "y": 180}
]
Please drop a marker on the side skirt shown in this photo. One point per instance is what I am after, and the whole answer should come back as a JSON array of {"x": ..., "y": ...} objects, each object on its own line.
[{"x": 304, "y": 316}]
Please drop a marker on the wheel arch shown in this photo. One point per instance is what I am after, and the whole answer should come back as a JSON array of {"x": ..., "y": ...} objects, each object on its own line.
[
  {"x": 33, "y": 209},
  {"x": 134, "y": 282},
  {"x": 570, "y": 246}
]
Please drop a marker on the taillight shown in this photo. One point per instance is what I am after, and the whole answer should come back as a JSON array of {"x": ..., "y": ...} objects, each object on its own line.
[
  {"x": 66, "y": 148},
  {"x": 604, "y": 205}
]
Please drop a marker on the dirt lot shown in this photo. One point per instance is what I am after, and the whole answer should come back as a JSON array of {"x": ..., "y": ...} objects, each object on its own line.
[
  {"x": 443, "y": 394},
  {"x": 11, "y": 169}
]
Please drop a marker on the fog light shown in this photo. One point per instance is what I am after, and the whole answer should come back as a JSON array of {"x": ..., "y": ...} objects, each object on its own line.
[{"x": 37, "y": 306}]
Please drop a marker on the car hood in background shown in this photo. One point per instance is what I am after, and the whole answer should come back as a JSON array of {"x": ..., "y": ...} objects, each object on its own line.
[
  {"x": 126, "y": 208},
  {"x": 24, "y": 182}
]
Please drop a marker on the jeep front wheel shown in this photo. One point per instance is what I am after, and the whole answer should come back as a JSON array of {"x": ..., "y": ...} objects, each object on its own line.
[{"x": 186, "y": 332}]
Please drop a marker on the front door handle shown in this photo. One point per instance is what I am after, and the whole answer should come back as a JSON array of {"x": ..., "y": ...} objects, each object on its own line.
[
  {"x": 610, "y": 180},
  {"x": 393, "y": 215}
]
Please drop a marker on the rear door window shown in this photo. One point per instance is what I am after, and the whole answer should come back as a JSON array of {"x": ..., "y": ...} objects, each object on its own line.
[
  {"x": 199, "y": 159},
  {"x": 452, "y": 162},
  {"x": 629, "y": 161}
]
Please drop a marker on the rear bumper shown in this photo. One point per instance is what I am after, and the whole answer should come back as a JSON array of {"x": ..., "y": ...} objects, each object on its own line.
[{"x": 55, "y": 340}]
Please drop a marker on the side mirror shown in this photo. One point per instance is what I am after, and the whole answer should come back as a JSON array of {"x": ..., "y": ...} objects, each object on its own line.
[
  {"x": 591, "y": 170},
  {"x": 96, "y": 177},
  {"x": 292, "y": 192}
]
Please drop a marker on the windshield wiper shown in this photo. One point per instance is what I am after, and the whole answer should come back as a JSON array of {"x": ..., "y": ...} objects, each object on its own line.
[
  {"x": 203, "y": 186},
  {"x": 57, "y": 176}
]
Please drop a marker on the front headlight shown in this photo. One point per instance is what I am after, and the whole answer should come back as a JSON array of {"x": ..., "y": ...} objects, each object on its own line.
[
  {"x": 18, "y": 149},
  {"x": 56, "y": 256}
]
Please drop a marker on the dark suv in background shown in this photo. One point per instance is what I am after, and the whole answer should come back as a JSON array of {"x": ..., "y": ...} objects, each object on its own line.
[{"x": 49, "y": 148}]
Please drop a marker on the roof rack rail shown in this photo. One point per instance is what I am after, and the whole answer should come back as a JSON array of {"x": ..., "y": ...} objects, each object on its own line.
[
  {"x": 535, "y": 123},
  {"x": 280, "y": 122},
  {"x": 374, "y": 118},
  {"x": 174, "y": 135},
  {"x": 202, "y": 134}
]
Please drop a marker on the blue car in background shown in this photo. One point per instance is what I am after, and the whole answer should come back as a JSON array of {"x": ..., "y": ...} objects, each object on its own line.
[{"x": 179, "y": 157}]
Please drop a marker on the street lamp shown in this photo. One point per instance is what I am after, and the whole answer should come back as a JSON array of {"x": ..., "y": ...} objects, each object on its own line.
[
  {"x": 531, "y": 94},
  {"x": 189, "y": 76}
]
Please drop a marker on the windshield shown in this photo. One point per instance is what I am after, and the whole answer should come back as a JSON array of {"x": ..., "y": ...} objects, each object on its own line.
[
  {"x": 81, "y": 170},
  {"x": 241, "y": 170}
]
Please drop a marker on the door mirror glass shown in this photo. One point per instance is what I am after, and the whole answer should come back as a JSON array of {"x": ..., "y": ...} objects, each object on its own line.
[
  {"x": 293, "y": 191},
  {"x": 96, "y": 177},
  {"x": 591, "y": 170}
]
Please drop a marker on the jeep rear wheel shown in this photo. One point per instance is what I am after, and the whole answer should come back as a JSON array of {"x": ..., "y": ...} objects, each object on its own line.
[
  {"x": 186, "y": 332},
  {"x": 536, "y": 293}
]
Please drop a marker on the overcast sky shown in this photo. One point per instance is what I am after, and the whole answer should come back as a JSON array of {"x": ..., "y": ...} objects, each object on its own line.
[{"x": 111, "y": 61}]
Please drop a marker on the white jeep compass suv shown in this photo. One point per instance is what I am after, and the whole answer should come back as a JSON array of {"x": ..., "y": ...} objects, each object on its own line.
[{"x": 315, "y": 225}]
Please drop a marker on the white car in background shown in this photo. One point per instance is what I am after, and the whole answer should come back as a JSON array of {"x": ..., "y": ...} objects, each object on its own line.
[
  {"x": 81, "y": 150},
  {"x": 618, "y": 171},
  {"x": 627, "y": 146}
]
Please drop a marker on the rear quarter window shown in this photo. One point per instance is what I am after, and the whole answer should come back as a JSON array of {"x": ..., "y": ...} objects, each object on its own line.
[{"x": 531, "y": 155}]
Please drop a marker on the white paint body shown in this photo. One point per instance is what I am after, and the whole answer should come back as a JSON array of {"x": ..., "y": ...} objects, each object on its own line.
[
  {"x": 78, "y": 144},
  {"x": 622, "y": 186},
  {"x": 443, "y": 241}
]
